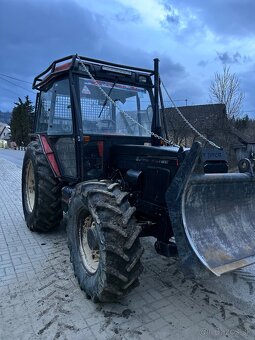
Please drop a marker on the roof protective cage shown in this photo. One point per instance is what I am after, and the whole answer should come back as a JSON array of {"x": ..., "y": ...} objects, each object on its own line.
[{"x": 66, "y": 63}]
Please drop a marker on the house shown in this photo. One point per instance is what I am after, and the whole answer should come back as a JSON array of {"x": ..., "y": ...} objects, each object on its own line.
[
  {"x": 5, "y": 135},
  {"x": 5, "y": 132},
  {"x": 244, "y": 146},
  {"x": 210, "y": 120}
]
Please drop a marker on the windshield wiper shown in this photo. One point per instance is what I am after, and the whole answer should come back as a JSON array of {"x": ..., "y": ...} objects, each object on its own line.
[{"x": 106, "y": 99}]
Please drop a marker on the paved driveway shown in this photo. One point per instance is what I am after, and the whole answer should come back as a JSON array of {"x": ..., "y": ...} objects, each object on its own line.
[
  {"x": 14, "y": 156},
  {"x": 40, "y": 298}
]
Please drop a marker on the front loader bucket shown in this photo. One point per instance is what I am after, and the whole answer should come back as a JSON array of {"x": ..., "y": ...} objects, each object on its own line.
[{"x": 213, "y": 217}]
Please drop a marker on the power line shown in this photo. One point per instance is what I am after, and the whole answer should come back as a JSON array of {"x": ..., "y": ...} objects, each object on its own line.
[
  {"x": 10, "y": 91},
  {"x": 17, "y": 85},
  {"x": 24, "y": 81}
]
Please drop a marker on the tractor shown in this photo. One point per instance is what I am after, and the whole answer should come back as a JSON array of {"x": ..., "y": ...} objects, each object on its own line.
[{"x": 100, "y": 159}]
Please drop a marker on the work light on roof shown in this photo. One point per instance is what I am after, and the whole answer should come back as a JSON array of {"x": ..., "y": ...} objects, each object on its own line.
[{"x": 116, "y": 70}]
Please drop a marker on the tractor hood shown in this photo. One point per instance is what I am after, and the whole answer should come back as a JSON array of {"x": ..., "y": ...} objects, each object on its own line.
[{"x": 143, "y": 155}]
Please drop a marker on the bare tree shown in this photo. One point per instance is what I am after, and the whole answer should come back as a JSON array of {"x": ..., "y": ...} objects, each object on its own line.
[{"x": 225, "y": 89}]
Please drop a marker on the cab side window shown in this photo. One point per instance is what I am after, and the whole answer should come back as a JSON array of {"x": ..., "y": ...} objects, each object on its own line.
[{"x": 55, "y": 116}]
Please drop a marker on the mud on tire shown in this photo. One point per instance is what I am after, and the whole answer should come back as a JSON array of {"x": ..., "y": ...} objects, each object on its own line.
[
  {"x": 41, "y": 191},
  {"x": 116, "y": 266}
]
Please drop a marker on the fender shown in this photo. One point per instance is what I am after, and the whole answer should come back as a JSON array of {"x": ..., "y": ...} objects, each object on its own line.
[{"x": 47, "y": 150}]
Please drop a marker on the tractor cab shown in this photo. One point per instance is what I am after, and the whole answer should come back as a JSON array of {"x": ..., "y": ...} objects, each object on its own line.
[{"x": 82, "y": 124}]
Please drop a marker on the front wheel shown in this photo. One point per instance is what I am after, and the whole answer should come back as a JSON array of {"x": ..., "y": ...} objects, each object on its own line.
[{"x": 104, "y": 241}]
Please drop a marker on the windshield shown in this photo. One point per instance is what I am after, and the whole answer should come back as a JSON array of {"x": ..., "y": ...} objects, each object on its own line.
[{"x": 100, "y": 116}]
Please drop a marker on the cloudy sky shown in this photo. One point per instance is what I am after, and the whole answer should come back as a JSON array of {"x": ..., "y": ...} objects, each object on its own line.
[{"x": 192, "y": 38}]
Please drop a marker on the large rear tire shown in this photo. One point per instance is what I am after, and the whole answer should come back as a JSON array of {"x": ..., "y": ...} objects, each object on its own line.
[
  {"x": 104, "y": 241},
  {"x": 41, "y": 191}
]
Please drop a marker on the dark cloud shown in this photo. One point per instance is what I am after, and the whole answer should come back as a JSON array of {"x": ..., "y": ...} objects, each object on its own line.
[
  {"x": 235, "y": 58},
  {"x": 171, "y": 71},
  {"x": 180, "y": 84},
  {"x": 128, "y": 15},
  {"x": 228, "y": 17},
  {"x": 38, "y": 32},
  {"x": 203, "y": 63},
  {"x": 182, "y": 23},
  {"x": 34, "y": 33},
  {"x": 226, "y": 58},
  {"x": 172, "y": 18}
]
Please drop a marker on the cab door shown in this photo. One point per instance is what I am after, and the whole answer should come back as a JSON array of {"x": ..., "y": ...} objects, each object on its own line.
[{"x": 54, "y": 119}]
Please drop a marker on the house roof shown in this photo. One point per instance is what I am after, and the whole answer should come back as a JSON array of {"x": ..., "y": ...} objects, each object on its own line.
[
  {"x": 8, "y": 131},
  {"x": 209, "y": 118},
  {"x": 242, "y": 138},
  {"x": 204, "y": 117},
  {"x": 2, "y": 128}
]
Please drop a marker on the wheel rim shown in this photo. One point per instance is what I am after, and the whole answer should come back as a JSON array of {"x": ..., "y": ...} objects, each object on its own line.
[
  {"x": 90, "y": 257},
  {"x": 30, "y": 186}
]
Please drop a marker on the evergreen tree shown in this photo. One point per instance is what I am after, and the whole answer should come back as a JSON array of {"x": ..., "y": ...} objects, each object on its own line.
[
  {"x": 22, "y": 121},
  {"x": 242, "y": 123}
]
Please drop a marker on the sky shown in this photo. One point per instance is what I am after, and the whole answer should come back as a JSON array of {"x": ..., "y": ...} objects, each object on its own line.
[{"x": 192, "y": 38}]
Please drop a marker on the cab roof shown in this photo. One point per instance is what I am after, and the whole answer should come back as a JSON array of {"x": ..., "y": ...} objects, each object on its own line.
[{"x": 96, "y": 67}]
